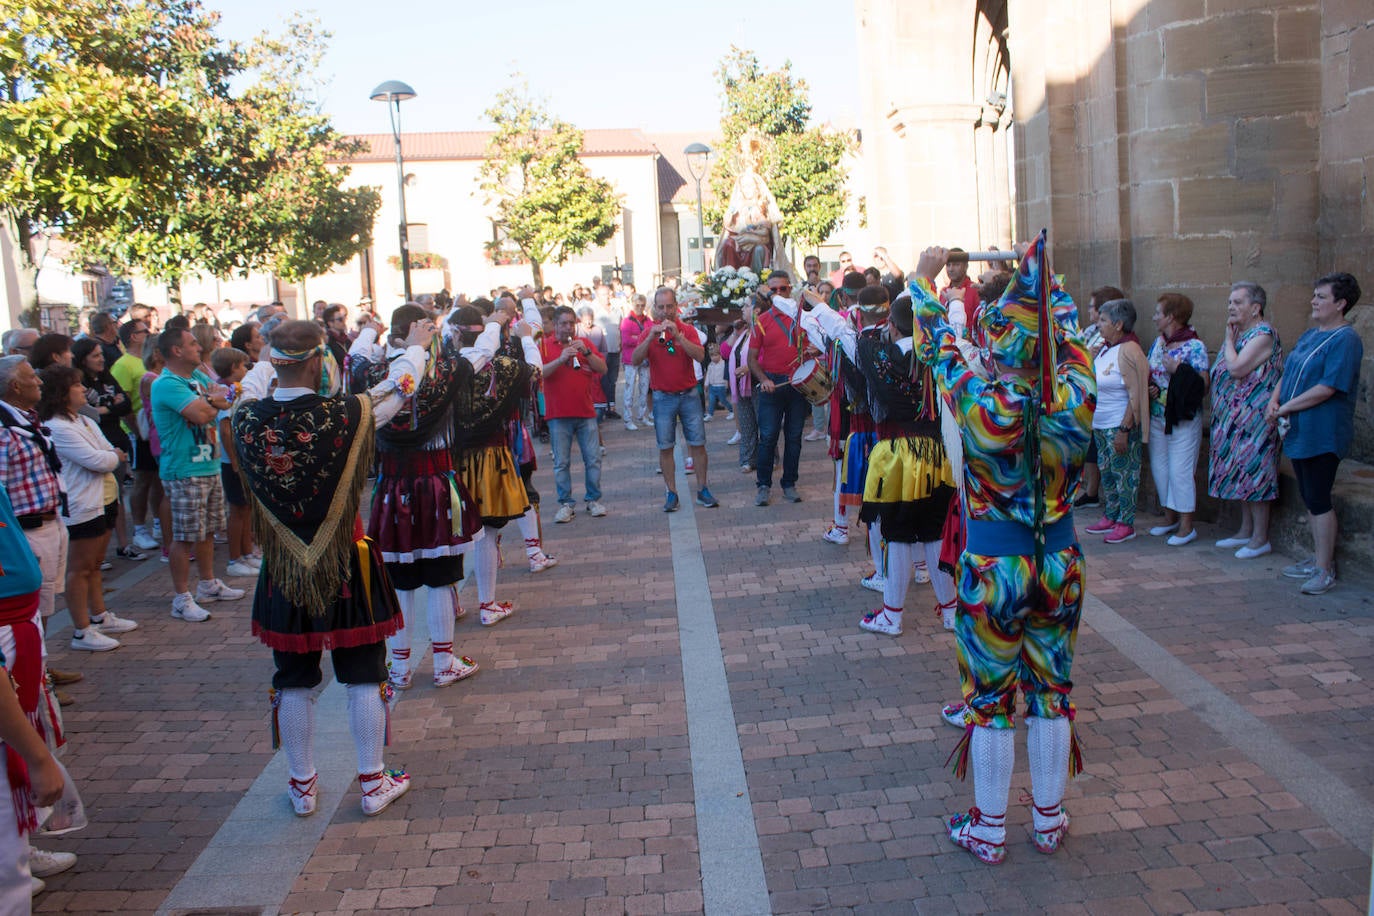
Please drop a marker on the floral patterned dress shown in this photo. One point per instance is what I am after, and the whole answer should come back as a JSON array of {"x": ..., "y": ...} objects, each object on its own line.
[{"x": 1245, "y": 448}]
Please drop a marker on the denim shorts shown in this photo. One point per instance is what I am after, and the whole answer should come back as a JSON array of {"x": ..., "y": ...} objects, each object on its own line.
[{"x": 668, "y": 406}]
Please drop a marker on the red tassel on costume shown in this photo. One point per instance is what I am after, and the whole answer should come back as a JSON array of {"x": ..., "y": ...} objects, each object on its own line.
[{"x": 961, "y": 751}]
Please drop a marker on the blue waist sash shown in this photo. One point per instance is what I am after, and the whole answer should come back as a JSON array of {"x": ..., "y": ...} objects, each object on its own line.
[{"x": 999, "y": 538}]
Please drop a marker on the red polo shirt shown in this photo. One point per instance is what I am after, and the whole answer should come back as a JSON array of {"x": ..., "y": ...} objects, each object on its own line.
[
  {"x": 772, "y": 339},
  {"x": 568, "y": 389},
  {"x": 673, "y": 371}
]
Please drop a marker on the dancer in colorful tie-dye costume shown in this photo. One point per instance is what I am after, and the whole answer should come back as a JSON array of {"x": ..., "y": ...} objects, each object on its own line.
[{"x": 1026, "y": 418}]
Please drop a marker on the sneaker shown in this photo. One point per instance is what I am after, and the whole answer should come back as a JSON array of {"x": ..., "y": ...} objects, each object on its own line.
[
  {"x": 1178, "y": 540},
  {"x": 880, "y": 621},
  {"x": 184, "y": 607},
  {"x": 1158, "y": 531},
  {"x": 131, "y": 553},
  {"x": 630, "y": 425},
  {"x": 953, "y": 714},
  {"x": 1120, "y": 533},
  {"x": 1304, "y": 570},
  {"x": 761, "y": 497},
  {"x": 705, "y": 499},
  {"x": 63, "y": 678},
  {"x": 302, "y": 793},
  {"x": 252, "y": 559},
  {"x": 658, "y": 470},
  {"x": 564, "y": 514},
  {"x": 596, "y": 510},
  {"x": 689, "y": 465},
  {"x": 707, "y": 419},
  {"x": 920, "y": 573},
  {"x": 1249, "y": 553},
  {"x": 1231, "y": 543},
  {"x": 112, "y": 624},
  {"x": 143, "y": 540},
  {"x": 734, "y": 438},
  {"x": 94, "y": 641},
  {"x": 874, "y": 583},
  {"x": 1047, "y": 841},
  {"x": 461, "y": 668},
  {"x": 106, "y": 566},
  {"x": 731, "y": 416},
  {"x": 400, "y": 680},
  {"x": 746, "y": 468},
  {"x": 381, "y": 789},
  {"x": 1321, "y": 582},
  {"x": 813, "y": 436},
  {"x": 44, "y": 864},
  {"x": 1101, "y": 526},
  {"x": 240, "y": 570},
  {"x": 157, "y": 530},
  {"x": 670, "y": 502},
  {"x": 542, "y": 561},
  {"x": 216, "y": 590},
  {"x": 835, "y": 535},
  {"x": 165, "y": 558},
  {"x": 961, "y": 827},
  {"x": 493, "y": 612},
  {"x": 791, "y": 495},
  {"x": 1087, "y": 502}
]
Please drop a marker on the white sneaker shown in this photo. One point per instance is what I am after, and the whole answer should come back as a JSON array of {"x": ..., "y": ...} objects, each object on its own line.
[
  {"x": 874, "y": 583},
  {"x": 730, "y": 416},
  {"x": 143, "y": 540},
  {"x": 111, "y": 623},
  {"x": 541, "y": 562},
  {"x": 733, "y": 440},
  {"x": 94, "y": 641},
  {"x": 881, "y": 621},
  {"x": 184, "y": 607},
  {"x": 240, "y": 569},
  {"x": 630, "y": 425},
  {"x": 921, "y": 574},
  {"x": 835, "y": 535},
  {"x": 596, "y": 510},
  {"x": 216, "y": 590},
  {"x": 493, "y": 612},
  {"x": 381, "y": 789},
  {"x": 1249, "y": 553},
  {"x": 564, "y": 514},
  {"x": 251, "y": 560},
  {"x": 44, "y": 864},
  {"x": 707, "y": 419}
]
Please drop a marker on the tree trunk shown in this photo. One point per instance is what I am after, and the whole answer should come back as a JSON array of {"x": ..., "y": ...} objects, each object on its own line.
[{"x": 537, "y": 269}]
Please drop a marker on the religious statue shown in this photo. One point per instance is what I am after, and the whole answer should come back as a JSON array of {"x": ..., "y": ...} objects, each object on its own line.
[{"x": 750, "y": 235}]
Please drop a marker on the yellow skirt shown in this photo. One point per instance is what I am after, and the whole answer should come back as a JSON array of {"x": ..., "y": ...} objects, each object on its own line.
[
  {"x": 490, "y": 475},
  {"x": 906, "y": 470}
]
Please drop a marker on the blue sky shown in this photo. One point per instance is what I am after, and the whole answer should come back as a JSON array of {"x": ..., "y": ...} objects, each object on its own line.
[{"x": 614, "y": 63}]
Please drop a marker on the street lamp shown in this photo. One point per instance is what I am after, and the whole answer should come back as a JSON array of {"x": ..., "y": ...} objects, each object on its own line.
[
  {"x": 393, "y": 93},
  {"x": 698, "y": 157}
]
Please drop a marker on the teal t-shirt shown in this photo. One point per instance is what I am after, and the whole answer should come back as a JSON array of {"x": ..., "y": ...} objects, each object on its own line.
[{"x": 188, "y": 450}]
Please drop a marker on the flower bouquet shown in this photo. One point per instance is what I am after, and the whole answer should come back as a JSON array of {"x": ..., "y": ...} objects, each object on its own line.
[{"x": 725, "y": 290}]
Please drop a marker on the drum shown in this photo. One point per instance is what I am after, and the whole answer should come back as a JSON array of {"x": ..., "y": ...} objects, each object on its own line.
[{"x": 813, "y": 380}]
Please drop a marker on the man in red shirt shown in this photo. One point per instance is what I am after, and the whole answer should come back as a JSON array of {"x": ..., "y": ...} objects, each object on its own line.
[
  {"x": 669, "y": 348},
  {"x": 773, "y": 357},
  {"x": 960, "y": 295},
  {"x": 571, "y": 366}
]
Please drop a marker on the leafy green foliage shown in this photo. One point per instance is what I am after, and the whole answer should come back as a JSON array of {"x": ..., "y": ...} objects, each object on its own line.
[
  {"x": 123, "y": 128},
  {"x": 545, "y": 200},
  {"x": 802, "y": 165}
]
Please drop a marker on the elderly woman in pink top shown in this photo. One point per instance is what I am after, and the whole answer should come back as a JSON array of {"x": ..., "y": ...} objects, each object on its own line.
[
  {"x": 632, "y": 331},
  {"x": 734, "y": 350}
]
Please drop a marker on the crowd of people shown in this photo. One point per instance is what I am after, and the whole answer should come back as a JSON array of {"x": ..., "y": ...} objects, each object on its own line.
[{"x": 965, "y": 421}]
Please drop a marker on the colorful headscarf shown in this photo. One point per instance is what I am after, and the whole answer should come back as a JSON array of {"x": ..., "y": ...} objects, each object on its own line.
[{"x": 329, "y": 367}]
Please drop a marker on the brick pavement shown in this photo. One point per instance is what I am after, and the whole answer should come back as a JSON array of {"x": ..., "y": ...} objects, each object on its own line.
[{"x": 559, "y": 780}]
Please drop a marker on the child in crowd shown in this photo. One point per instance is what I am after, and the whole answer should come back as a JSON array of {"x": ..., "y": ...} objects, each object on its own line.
[
  {"x": 230, "y": 366},
  {"x": 717, "y": 392}
]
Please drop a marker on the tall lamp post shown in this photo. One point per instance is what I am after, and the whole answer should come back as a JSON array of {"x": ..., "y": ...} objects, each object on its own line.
[
  {"x": 393, "y": 93},
  {"x": 698, "y": 157}
]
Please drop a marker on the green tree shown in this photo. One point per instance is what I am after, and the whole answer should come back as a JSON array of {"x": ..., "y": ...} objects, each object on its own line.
[
  {"x": 802, "y": 165},
  {"x": 545, "y": 200},
  {"x": 123, "y": 127}
]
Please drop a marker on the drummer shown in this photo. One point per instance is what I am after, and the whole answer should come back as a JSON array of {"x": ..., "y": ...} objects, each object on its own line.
[{"x": 777, "y": 348}]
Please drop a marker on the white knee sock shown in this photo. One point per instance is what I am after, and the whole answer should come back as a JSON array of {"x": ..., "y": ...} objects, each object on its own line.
[
  {"x": 875, "y": 548},
  {"x": 485, "y": 561},
  {"x": 993, "y": 756},
  {"x": 900, "y": 556},
  {"x": 399, "y": 642},
  {"x": 296, "y": 722},
  {"x": 529, "y": 530},
  {"x": 941, "y": 581},
  {"x": 439, "y": 605},
  {"x": 367, "y": 721},
  {"x": 1047, "y": 745}
]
